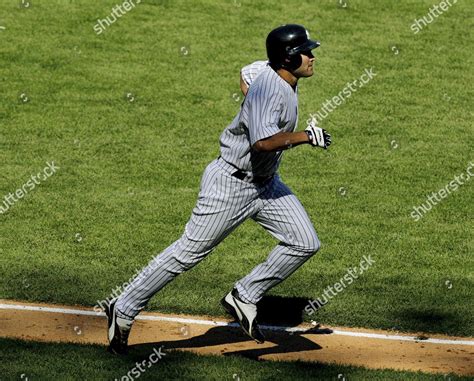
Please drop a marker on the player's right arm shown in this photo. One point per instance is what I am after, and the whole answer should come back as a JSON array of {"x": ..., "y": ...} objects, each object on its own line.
[
  {"x": 248, "y": 74},
  {"x": 243, "y": 86}
]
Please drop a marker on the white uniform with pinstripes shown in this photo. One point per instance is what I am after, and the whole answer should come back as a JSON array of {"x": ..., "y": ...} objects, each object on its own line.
[
  {"x": 250, "y": 72},
  {"x": 224, "y": 202}
]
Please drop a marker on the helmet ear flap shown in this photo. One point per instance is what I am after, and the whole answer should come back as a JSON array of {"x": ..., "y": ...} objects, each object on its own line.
[
  {"x": 297, "y": 61},
  {"x": 292, "y": 62}
]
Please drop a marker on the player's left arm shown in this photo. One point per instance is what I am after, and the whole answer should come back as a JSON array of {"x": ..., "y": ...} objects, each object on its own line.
[
  {"x": 281, "y": 141},
  {"x": 265, "y": 135}
]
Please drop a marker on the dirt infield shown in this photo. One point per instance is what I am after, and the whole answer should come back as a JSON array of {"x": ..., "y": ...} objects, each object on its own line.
[{"x": 205, "y": 335}]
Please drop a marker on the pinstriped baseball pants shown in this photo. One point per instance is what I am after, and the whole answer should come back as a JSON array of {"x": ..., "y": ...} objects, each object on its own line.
[{"x": 224, "y": 202}]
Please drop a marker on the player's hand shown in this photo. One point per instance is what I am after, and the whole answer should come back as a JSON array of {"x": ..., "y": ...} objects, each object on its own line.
[{"x": 317, "y": 136}]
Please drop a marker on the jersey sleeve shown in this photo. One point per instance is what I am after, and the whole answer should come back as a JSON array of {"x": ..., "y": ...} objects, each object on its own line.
[
  {"x": 264, "y": 114},
  {"x": 250, "y": 72}
]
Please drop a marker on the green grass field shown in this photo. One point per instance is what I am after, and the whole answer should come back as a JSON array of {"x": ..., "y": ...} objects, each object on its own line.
[
  {"x": 27, "y": 359},
  {"x": 130, "y": 170}
]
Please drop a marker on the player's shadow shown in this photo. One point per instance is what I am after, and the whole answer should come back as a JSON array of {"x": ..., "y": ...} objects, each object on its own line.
[
  {"x": 273, "y": 311},
  {"x": 281, "y": 311}
]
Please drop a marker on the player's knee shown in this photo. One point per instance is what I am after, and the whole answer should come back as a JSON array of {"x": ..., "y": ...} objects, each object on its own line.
[
  {"x": 313, "y": 244},
  {"x": 309, "y": 243},
  {"x": 186, "y": 253}
]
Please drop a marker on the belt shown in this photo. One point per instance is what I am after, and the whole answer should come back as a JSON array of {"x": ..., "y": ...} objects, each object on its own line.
[
  {"x": 260, "y": 180},
  {"x": 244, "y": 176}
]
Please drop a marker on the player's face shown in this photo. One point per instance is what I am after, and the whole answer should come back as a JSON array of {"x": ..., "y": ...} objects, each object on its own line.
[{"x": 306, "y": 67}]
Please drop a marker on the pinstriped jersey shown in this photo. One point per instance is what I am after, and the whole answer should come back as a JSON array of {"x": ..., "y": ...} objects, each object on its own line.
[
  {"x": 250, "y": 72},
  {"x": 271, "y": 106}
]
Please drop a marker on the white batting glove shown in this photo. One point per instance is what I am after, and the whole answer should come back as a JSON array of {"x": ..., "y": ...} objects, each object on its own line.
[{"x": 317, "y": 136}]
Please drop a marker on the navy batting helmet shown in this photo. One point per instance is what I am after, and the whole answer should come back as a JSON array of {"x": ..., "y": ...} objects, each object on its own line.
[{"x": 285, "y": 43}]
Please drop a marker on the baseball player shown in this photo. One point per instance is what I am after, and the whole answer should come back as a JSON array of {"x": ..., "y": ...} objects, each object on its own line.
[{"x": 243, "y": 182}]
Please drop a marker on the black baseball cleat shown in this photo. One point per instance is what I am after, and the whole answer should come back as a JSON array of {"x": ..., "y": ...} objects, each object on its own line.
[
  {"x": 119, "y": 329},
  {"x": 244, "y": 313}
]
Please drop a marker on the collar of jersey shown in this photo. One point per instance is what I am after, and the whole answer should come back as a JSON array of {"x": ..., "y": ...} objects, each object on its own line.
[{"x": 295, "y": 90}]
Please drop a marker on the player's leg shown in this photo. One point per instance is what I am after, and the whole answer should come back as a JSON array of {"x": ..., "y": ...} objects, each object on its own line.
[
  {"x": 223, "y": 203},
  {"x": 286, "y": 219}
]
